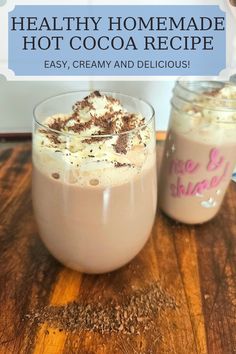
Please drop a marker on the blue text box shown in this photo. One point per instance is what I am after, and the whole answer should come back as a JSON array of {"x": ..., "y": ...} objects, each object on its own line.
[{"x": 102, "y": 40}]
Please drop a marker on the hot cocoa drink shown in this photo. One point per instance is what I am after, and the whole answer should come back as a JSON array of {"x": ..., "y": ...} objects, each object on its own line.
[
  {"x": 94, "y": 183},
  {"x": 199, "y": 156}
]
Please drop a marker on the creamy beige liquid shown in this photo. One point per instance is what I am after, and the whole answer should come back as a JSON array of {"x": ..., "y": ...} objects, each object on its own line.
[
  {"x": 95, "y": 229},
  {"x": 194, "y": 175}
]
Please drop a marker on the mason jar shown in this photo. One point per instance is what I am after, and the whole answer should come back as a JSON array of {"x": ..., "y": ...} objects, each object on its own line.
[{"x": 200, "y": 150}]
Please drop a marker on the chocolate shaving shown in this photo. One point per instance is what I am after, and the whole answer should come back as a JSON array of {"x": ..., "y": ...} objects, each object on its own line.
[
  {"x": 212, "y": 93},
  {"x": 79, "y": 127},
  {"x": 132, "y": 315},
  {"x": 112, "y": 99},
  {"x": 58, "y": 124},
  {"x": 121, "y": 144},
  {"x": 119, "y": 164},
  {"x": 81, "y": 105},
  {"x": 128, "y": 123},
  {"x": 106, "y": 123},
  {"x": 94, "y": 139},
  {"x": 85, "y": 103},
  {"x": 54, "y": 138},
  {"x": 97, "y": 93}
]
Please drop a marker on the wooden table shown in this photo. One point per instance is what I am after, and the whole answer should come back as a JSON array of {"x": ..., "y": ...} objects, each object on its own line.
[{"x": 195, "y": 265}]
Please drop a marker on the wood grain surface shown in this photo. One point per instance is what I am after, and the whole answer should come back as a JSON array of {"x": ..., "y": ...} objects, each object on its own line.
[{"x": 195, "y": 265}]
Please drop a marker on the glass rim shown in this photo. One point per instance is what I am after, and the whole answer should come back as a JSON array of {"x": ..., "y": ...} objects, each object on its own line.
[
  {"x": 195, "y": 104},
  {"x": 84, "y": 136},
  {"x": 189, "y": 115},
  {"x": 181, "y": 82}
]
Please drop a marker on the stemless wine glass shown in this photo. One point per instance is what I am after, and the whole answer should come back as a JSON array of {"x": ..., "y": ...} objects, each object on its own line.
[{"x": 93, "y": 215}]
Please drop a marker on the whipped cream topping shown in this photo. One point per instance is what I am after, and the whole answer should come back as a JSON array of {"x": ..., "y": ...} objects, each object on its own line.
[
  {"x": 228, "y": 92},
  {"x": 94, "y": 141},
  {"x": 210, "y": 118}
]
